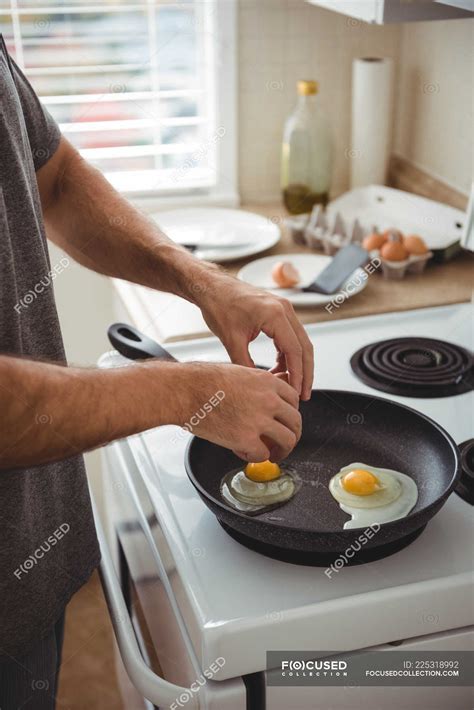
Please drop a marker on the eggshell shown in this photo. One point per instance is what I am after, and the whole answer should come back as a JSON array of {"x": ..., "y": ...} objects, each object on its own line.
[
  {"x": 393, "y": 251},
  {"x": 285, "y": 275},
  {"x": 415, "y": 244},
  {"x": 374, "y": 241}
]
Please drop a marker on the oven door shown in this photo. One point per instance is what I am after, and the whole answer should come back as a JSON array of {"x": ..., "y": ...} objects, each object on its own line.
[{"x": 155, "y": 650}]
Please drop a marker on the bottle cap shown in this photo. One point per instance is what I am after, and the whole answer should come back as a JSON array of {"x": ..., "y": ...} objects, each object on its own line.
[{"x": 307, "y": 87}]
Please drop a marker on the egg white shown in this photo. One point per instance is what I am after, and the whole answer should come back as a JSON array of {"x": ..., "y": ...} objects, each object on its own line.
[
  {"x": 395, "y": 500},
  {"x": 251, "y": 496}
]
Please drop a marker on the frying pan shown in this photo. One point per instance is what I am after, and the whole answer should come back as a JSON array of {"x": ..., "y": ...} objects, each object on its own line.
[{"x": 339, "y": 427}]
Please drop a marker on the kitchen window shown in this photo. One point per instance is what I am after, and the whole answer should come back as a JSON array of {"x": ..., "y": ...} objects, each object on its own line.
[{"x": 143, "y": 88}]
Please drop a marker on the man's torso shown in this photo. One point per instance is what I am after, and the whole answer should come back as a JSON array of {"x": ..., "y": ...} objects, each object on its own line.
[{"x": 48, "y": 543}]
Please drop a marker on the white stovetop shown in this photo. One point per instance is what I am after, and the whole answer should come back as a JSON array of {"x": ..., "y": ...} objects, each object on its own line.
[{"x": 238, "y": 604}]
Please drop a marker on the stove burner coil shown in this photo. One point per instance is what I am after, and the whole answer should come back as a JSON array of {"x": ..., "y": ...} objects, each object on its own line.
[{"x": 415, "y": 367}]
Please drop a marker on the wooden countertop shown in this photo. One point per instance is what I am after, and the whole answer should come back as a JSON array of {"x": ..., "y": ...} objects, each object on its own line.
[{"x": 168, "y": 318}]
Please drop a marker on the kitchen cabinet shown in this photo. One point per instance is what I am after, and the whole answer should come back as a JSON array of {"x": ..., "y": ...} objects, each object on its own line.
[{"x": 383, "y": 12}]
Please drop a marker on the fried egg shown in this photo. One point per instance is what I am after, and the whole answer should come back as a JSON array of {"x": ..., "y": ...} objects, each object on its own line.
[
  {"x": 372, "y": 495},
  {"x": 259, "y": 487}
]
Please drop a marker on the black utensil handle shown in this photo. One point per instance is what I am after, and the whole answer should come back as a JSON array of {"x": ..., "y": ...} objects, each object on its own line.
[{"x": 135, "y": 345}]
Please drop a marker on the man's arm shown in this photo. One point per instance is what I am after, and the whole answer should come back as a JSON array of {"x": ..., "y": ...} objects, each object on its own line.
[
  {"x": 103, "y": 231},
  {"x": 49, "y": 412}
]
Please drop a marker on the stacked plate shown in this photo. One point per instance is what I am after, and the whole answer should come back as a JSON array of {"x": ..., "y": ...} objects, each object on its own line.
[
  {"x": 219, "y": 235},
  {"x": 223, "y": 235}
]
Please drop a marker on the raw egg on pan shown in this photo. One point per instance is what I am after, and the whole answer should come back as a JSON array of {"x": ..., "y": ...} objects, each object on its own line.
[
  {"x": 259, "y": 487},
  {"x": 373, "y": 495}
]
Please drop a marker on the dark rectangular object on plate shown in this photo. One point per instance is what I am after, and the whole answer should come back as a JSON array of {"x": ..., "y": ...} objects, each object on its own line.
[{"x": 344, "y": 263}]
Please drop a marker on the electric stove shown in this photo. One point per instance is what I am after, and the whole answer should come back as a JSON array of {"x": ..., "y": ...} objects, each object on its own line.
[{"x": 198, "y": 595}]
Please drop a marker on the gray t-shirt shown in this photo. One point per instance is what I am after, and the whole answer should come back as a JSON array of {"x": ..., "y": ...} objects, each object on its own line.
[{"x": 48, "y": 545}]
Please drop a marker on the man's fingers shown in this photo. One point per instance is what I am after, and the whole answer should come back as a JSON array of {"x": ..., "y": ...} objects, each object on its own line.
[
  {"x": 280, "y": 439},
  {"x": 290, "y": 418},
  {"x": 256, "y": 452},
  {"x": 280, "y": 365},
  {"x": 288, "y": 344},
  {"x": 308, "y": 355},
  {"x": 238, "y": 351},
  {"x": 295, "y": 351},
  {"x": 285, "y": 390}
]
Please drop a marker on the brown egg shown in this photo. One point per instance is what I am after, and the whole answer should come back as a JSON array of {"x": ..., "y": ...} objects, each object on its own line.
[
  {"x": 373, "y": 241},
  {"x": 285, "y": 275},
  {"x": 393, "y": 235},
  {"x": 393, "y": 251},
  {"x": 415, "y": 245}
]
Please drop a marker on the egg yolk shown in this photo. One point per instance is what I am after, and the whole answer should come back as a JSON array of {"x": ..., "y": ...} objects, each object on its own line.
[
  {"x": 263, "y": 471},
  {"x": 360, "y": 482}
]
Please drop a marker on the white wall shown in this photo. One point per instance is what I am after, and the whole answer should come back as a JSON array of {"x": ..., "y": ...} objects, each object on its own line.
[
  {"x": 434, "y": 127},
  {"x": 283, "y": 40}
]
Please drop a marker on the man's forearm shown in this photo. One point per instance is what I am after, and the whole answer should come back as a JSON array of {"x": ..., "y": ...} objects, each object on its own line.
[
  {"x": 101, "y": 230},
  {"x": 49, "y": 412}
]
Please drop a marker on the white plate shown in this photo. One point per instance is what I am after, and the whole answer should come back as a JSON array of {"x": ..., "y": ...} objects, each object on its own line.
[
  {"x": 241, "y": 233},
  {"x": 259, "y": 273}
]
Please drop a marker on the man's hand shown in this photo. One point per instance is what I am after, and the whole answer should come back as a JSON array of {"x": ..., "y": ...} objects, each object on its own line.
[
  {"x": 101, "y": 230},
  {"x": 237, "y": 313},
  {"x": 86, "y": 217},
  {"x": 256, "y": 416},
  {"x": 50, "y": 412}
]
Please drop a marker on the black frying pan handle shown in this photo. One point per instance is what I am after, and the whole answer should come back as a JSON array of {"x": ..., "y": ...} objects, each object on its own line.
[{"x": 135, "y": 345}]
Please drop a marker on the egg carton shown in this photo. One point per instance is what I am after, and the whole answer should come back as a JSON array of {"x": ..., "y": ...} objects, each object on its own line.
[
  {"x": 396, "y": 270},
  {"x": 317, "y": 231}
]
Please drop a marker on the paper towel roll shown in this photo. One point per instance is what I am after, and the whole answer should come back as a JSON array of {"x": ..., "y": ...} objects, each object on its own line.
[{"x": 372, "y": 109}]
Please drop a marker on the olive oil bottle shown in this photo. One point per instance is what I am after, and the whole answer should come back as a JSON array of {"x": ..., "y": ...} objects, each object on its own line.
[{"x": 306, "y": 161}]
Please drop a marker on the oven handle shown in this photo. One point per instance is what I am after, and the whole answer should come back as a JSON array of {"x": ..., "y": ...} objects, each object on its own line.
[{"x": 159, "y": 691}]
